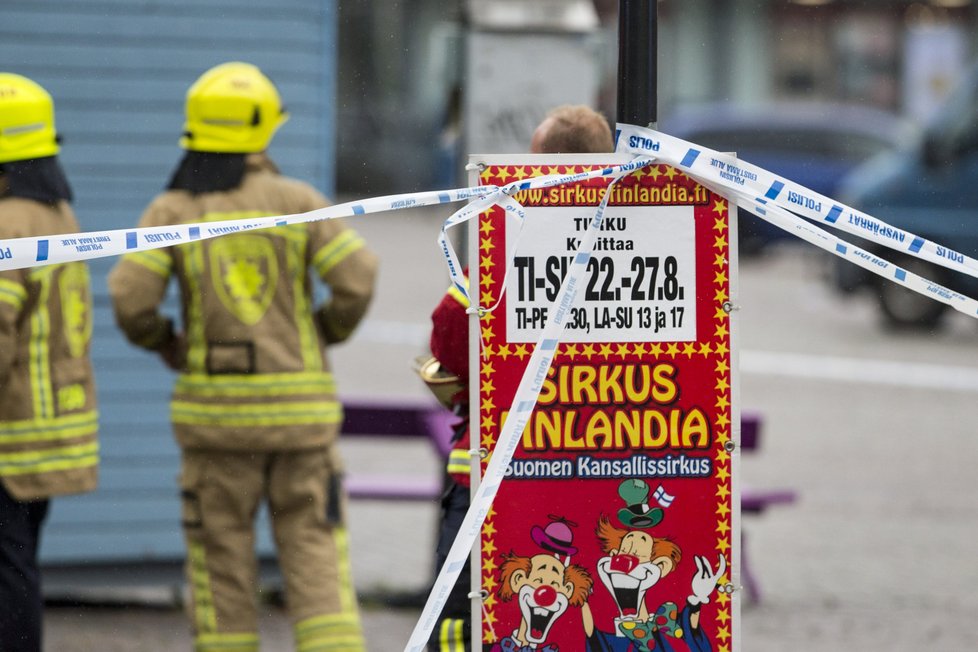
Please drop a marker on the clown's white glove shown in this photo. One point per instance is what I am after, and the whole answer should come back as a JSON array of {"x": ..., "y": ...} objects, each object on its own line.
[{"x": 705, "y": 580}]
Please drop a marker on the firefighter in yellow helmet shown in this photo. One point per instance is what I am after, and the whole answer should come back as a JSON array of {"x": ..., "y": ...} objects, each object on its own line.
[
  {"x": 48, "y": 418},
  {"x": 254, "y": 406}
]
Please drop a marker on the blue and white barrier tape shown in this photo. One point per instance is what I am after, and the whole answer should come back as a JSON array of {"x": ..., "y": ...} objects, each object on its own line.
[
  {"x": 736, "y": 176},
  {"x": 20, "y": 253}
]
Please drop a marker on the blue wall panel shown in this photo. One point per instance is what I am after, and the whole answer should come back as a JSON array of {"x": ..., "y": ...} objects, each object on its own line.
[{"x": 118, "y": 71}]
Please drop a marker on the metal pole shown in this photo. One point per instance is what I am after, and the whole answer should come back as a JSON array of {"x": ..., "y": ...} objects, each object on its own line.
[{"x": 637, "y": 40}]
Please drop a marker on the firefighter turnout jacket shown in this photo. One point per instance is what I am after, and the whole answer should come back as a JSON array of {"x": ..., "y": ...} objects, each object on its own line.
[
  {"x": 48, "y": 416},
  {"x": 256, "y": 375}
]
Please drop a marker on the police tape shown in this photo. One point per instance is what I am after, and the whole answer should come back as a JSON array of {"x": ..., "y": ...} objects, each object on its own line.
[
  {"x": 21, "y": 253},
  {"x": 780, "y": 201}
]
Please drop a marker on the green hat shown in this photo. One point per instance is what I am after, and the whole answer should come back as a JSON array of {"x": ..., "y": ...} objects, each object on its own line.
[{"x": 637, "y": 514}]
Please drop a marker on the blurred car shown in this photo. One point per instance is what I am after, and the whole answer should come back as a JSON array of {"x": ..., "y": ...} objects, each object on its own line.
[
  {"x": 929, "y": 188},
  {"x": 813, "y": 144}
]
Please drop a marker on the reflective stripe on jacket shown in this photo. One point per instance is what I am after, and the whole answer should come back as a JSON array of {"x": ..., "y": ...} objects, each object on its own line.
[
  {"x": 48, "y": 417},
  {"x": 256, "y": 375}
]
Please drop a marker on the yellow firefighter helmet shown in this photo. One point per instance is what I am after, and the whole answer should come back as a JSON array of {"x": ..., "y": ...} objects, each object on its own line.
[
  {"x": 234, "y": 109},
  {"x": 26, "y": 120}
]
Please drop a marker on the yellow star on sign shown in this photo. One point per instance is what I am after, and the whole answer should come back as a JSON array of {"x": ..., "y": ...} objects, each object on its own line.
[
  {"x": 720, "y": 206},
  {"x": 486, "y": 298},
  {"x": 656, "y": 350},
  {"x": 605, "y": 350},
  {"x": 705, "y": 349},
  {"x": 720, "y": 277},
  {"x": 720, "y": 242},
  {"x": 486, "y": 244},
  {"x": 621, "y": 349},
  {"x": 487, "y": 227},
  {"x": 588, "y": 351},
  {"x": 488, "y": 387},
  {"x": 654, "y": 172},
  {"x": 502, "y": 174},
  {"x": 671, "y": 172},
  {"x": 721, "y": 330},
  {"x": 487, "y": 332},
  {"x": 672, "y": 349},
  {"x": 504, "y": 351},
  {"x": 689, "y": 349},
  {"x": 570, "y": 350},
  {"x": 488, "y": 422},
  {"x": 519, "y": 172},
  {"x": 638, "y": 349},
  {"x": 720, "y": 260},
  {"x": 521, "y": 351},
  {"x": 536, "y": 172},
  {"x": 719, "y": 224},
  {"x": 722, "y": 366},
  {"x": 486, "y": 262}
]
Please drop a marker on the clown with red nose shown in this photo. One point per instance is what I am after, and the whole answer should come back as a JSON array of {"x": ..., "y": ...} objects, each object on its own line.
[
  {"x": 634, "y": 562},
  {"x": 545, "y": 585}
]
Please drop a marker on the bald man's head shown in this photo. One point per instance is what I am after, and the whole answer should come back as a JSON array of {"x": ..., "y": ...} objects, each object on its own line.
[{"x": 572, "y": 129}]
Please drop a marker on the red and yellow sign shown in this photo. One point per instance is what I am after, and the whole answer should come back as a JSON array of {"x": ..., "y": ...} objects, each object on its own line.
[{"x": 615, "y": 526}]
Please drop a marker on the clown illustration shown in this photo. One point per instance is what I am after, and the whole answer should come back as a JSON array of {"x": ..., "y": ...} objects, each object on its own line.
[
  {"x": 633, "y": 563},
  {"x": 545, "y": 585}
]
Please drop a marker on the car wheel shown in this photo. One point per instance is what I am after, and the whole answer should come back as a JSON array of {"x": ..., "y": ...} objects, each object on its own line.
[{"x": 904, "y": 308}]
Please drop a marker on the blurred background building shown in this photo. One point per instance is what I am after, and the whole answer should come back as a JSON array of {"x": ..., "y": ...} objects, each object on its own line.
[{"x": 402, "y": 67}]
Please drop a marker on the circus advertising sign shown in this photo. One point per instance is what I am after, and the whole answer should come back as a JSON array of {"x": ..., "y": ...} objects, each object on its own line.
[{"x": 617, "y": 524}]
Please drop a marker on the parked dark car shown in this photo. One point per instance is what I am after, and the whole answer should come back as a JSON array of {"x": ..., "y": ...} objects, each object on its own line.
[
  {"x": 815, "y": 145},
  {"x": 929, "y": 188}
]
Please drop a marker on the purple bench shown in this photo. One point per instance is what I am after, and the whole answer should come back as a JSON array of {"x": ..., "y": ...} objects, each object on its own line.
[
  {"x": 398, "y": 419},
  {"x": 755, "y": 501},
  {"x": 371, "y": 418}
]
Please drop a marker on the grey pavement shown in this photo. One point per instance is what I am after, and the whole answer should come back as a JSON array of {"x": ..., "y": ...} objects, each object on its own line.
[{"x": 877, "y": 555}]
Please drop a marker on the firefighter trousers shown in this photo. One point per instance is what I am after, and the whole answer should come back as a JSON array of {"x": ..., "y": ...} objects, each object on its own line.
[{"x": 221, "y": 493}]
